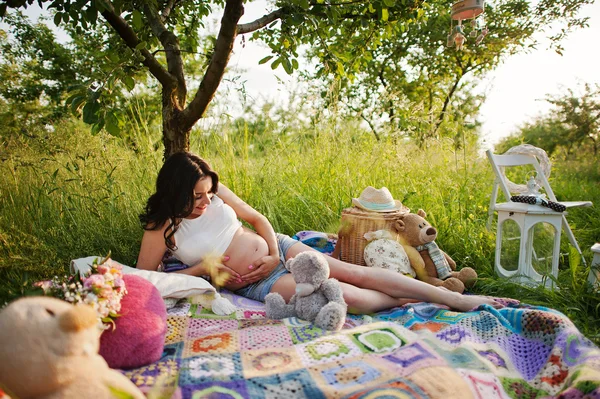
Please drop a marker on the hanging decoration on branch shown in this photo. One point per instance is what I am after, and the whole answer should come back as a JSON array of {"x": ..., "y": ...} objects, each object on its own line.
[{"x": 466, "y": 10}]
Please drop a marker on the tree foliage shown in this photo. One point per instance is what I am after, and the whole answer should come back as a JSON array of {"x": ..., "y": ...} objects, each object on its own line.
[
  {"x": 572, "y": 124},
  {"x": 351, "y": 39},
  {"x": 156, "y": 36},
  {"x": 413, "y": 83},
  {"x": 35, "y": 72},
  {"x": 43, "y": 80}
]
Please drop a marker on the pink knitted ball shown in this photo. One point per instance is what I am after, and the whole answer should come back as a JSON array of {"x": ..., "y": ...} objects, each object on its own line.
[{"x": 139, "y": 336}]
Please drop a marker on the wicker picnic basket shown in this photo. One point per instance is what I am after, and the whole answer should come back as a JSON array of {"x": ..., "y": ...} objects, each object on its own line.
[{"x": 355, "y": 223}]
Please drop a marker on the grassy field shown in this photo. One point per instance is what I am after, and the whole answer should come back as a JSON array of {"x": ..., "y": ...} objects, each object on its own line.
[{"x": 67, "y": 194}]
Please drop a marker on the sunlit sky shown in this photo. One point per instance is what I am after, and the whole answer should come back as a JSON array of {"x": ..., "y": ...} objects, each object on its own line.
[{"x": 515, "y": 90}]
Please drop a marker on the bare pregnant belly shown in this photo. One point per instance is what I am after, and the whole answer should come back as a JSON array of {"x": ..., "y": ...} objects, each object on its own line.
[{"x": 245, "y": 248}]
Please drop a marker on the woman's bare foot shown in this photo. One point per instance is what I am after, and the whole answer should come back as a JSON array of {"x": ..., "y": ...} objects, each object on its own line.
[{"x": 464, "y": 303}]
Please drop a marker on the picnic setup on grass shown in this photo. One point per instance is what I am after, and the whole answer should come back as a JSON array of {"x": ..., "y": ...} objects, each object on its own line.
[
  {"x": 164, "y": 334},
  {"x": 164, "y": 329}
]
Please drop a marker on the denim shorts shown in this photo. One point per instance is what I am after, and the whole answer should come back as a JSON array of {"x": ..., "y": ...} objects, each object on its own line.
[{"x": 259, "y": 290}]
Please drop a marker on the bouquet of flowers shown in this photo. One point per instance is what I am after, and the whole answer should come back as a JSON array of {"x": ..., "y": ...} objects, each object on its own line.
[{"x": 102, "y": 288}]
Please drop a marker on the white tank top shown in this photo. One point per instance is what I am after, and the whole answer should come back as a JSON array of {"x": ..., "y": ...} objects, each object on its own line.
[{"x": 210, "y": 233}]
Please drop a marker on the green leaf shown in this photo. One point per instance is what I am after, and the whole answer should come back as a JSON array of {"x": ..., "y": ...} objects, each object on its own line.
[
  {"x": 97, "y": 126},
  {"x": 287, "y": 66},
  {"x": 384, "y": 14},
  {"x": 91, "y": 15},
  {"x": 276, "y": 63},
  {"x": 57, "y": 18},
  {"x": 94, "y": 95},
  {"x": 137, "y": 19},
  {"x": 90, "y": 110},
  {"x": 340, "y": 68},
  {"x": 141, "y": 45},
  {"x": 129, "y": 82},
  {"x": 265, "y": 60},
  {"x": 76, "y": 104},
  {"x": 112, "y": 124},
  {"x": 74, "y": 14},
  {"x": 304, "y": 4},
  {"x": 389, "y": 3},
  {"x": 114, "y": 57}
]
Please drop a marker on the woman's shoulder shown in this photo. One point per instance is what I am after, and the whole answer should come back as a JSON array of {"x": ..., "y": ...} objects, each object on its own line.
[{"x": 159, "y": 228}]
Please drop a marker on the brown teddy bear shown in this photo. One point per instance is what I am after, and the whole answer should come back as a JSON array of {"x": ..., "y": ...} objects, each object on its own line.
[
  {"x": 430, "y": 263},
  {"x": 49, "y": 349}
]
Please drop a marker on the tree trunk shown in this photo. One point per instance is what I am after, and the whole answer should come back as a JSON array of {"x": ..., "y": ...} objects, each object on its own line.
[
  {"x": 176, "y": 135},
  {"x": 177, "y": 120}
]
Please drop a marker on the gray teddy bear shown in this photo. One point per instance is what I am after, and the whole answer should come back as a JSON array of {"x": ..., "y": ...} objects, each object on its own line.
[{"x": 318, "y": 298}]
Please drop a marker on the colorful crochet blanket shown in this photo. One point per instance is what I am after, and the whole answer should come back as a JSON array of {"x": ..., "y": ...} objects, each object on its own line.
[{"x": 415, "y": 351}]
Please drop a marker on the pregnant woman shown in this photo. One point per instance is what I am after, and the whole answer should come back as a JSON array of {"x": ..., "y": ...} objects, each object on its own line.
[{"x": 198, "y": 219}]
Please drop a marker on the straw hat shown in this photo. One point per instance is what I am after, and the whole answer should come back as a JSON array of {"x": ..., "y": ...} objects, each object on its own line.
[{"x": 378, "y": 200}]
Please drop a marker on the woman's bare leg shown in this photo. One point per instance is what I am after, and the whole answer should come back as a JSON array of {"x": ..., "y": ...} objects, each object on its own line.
[
  {"x": 359, "y": 300},
  {"x": 395, "y": 284}
]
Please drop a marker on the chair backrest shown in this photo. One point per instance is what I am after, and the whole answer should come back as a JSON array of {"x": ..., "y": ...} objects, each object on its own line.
[{"x": 503, "y": 161}]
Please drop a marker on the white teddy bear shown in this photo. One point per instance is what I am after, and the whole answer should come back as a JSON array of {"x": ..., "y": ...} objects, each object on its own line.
[{"x": 49, "y": 349}]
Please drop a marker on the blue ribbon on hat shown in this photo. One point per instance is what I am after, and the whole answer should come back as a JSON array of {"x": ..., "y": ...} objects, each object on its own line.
[{"x": 377, "y": 207}]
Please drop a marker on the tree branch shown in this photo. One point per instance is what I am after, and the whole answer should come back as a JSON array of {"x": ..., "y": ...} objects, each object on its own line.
[
  {"x": 234, "y": 9},
  {"x": 172, "y": 51},
  {"x": 369, "y": 122},
  {"x": 442, "y": 114},
  {"x": 260, "y": 22},
  {"x": 277, "y": 14},
  {"x": 167, "y": 10},
  {"x": 463, "y": 71},
  {"x": 130, "y": 38}
]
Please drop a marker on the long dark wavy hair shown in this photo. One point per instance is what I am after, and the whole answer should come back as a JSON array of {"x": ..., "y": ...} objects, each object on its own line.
[{"x": 174, "y": 196}]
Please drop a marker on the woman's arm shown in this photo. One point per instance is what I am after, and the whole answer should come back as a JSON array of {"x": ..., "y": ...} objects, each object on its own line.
[
  {"x": 265, "y": 265},
  {"x": 152, "y": 249}
]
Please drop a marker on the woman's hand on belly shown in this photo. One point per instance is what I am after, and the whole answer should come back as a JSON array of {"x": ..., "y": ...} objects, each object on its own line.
[
  {"x": 261, "y": 268},
  {"x": 249, "y": 256}
]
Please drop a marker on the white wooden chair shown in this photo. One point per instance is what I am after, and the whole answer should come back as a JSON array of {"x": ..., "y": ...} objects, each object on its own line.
[{"x": 526, "y": 217}]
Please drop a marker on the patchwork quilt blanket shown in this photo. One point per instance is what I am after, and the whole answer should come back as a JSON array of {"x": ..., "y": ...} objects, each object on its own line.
[{"x": 415, "y": 351}]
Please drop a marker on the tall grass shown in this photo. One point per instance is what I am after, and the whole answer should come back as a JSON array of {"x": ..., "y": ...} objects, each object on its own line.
[{"x": 67, "y": 194}]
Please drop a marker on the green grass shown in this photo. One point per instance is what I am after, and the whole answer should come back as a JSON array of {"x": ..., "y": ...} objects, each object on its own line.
[{"x": 68, "y": 194}]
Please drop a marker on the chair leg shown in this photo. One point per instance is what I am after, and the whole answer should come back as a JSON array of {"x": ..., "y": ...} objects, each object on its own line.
[
  {"x": 498, "y": 267},
  {"x": 555, "y": 253},
  {"x": 572, "y": 240},
  {"x": 525, "y": 252}
]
